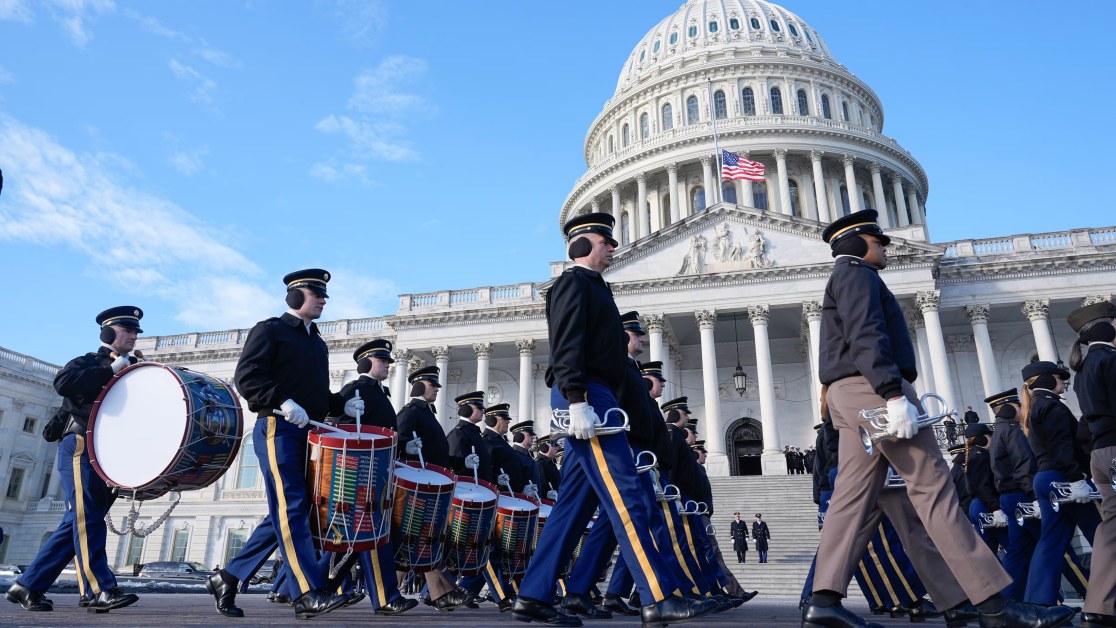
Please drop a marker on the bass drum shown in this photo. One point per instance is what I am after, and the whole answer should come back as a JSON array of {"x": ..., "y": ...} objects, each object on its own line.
[{"x": 157, "y": 428}]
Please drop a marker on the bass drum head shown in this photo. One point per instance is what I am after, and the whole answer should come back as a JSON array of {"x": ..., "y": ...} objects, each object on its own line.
[{"x": 138, "y": 425}]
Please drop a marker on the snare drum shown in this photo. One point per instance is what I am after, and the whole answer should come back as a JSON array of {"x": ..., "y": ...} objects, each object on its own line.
[
  {"x": 156, "y": 428},
  {"x": 349, "y": 476},
  {"x": 422, "y": 498},
  {"x": 517, "y": 516},
  {"x": 472, "y": 515}
]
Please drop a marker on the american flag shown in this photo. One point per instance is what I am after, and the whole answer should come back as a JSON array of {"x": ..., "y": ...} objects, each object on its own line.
[{"x": 734, "y": 167}]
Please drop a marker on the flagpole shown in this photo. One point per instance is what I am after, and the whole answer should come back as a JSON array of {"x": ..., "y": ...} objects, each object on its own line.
[{"x": 716, "y": 144}]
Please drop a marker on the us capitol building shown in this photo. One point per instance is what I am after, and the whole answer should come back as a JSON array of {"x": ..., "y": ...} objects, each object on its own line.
[{"x": 724, "y": 275}]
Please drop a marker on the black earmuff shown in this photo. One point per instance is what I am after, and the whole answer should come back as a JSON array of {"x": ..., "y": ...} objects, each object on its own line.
[
  {"x": 673, "y": 416},
  {"x": 465, "y": 411},
  {"x": 580, "y": 248},
  {"x": 490, "y": 420},
  {"x": 544, "y": 448},
  {"x": 364, "y": 365},
  {"x": 650, "y": 384},
  {"x": 519, "y": 437},
  {"x": 108, "y": 334},
  {"x": 295, "y": 298},
  {"x": 418, "y": 388}
]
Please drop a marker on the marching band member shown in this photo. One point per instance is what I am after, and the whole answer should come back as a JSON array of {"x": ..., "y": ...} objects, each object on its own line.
[
  {"x": 981, "y": 486},
  {"x": 283, "y": 374},
  {"x": 548, "y": 468},
  {"x": 1093, "y": 358},
  {"x": 588, "y": 354},
  {"x": 81, "y": 534},
  {"x": 503, "y": 460},
  {"x": 868, "y": 361},
  {"x": 1053, "y": 433},
  {"x": 523, "y": 436},
  {"x": 1013, "y": 467}
]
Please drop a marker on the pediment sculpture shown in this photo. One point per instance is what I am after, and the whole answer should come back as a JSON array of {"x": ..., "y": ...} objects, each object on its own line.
[{"x": 726, "y": 254}]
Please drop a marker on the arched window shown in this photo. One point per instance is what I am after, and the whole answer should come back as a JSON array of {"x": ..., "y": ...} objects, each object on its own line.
[
  {"x": 644, "y": 126},
  {"x": 674, "y": 38},
  {"x": 692, "y": 32},
  {"x": 720, "y": 109},
  {"x": 657, "y": 46},
  {"x": 825, "y": 108},
  {"x": 611, "y": 147},
  {"x": 691, "y": 110},
  {"x": 625, "y": 229},
  {"x": 803, "y": 105},
  {"x": 792, "y": 187},
  {"x": 713, "y": 27},
  {"x": 734, "y": 24},
  {"x": 625, "y": 136},
  {"x": 774, "y": 26},
  {"x": 759, "y": 194},
  {"x": 249, "y": 464},
  {"x": 776, "y": 101},
  {"x": 728, "y": 192},
  {"x": 755, "y": 23},
  {"x": 697, "y": 197},
  {"x": 668, "y": 117},
  {"x": 845, "y": 110},
  {"x": 748, "y": 100},
  {"x": 844, "y": 201},
  {"x": 642, "y": 55},
  {"x": 792, "y": 30},
  {"x": 664, "y": 210}
]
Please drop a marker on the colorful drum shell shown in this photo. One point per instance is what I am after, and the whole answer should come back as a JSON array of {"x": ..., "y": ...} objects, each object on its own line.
[
  {"x": 517, "y": 516},
  {"x": 577, "y": 549},
  {"x": 349, "y": 479},
  {"x": 422, "y": 498},
  {"x": 472, "y": 517},
  {"x": 156, "y": 428},
  {"x": 545, "y": 506}
]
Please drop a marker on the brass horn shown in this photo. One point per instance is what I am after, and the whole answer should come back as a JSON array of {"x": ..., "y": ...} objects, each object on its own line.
[
  {"x": 1026, "y": 510},
  {"x": 877, "y": 419},
  {"x": 1060, "y": 494},
  {"x": 560, "y": 424}
]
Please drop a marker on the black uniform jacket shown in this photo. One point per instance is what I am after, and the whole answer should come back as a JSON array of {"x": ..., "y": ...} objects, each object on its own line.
[
  {"x": 377, "y": 406},
  {"x": 979, "y": 481},
  {"x": 1095, "y": 386},
  {"x": 587, "y": 340},
  {"x": 739, "y": 532},
  {"x": 706, "y": 490},
  {"x": 1013, "y": 463},
  {"x": 528, "y": 470},
  {"x": 1054, "y": 436},
  {"x": 684, "y": 474},
  {"x": 502, "y": 457},
  {"x": 81, "y": 381},
  {"x": 551, "y": 476},
  {"x": 281, "y": 360},
  {"x": 760, "y": 531},
  {"x": 465, "y": 438},
  {"x": 957, "y": 474},
  {"x": 648, "y": 429},
  {"x": 863, "y": 331},
  {"x": 825, "y": 459},
  {"x": 417, "y": 417}
]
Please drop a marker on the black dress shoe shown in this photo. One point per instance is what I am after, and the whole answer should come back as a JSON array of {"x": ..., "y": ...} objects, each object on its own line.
[
  {"x": 277, "y": 598},
  {"x": 314, "y": 603},
  {"x": 747, "y": 597},
  {"x": 352, "y": 597},
  {"x": 398, "y": 606},
  {"x": 923, "y": 609},
  {"x": 506, "y": 604},
  {"x": 28, "y": 599},
  {"x": 110, "y": 599},
  {"x": 617, "y": 605},
  {"x": 835, "y": 616},
  {"x": 528, "y": 610},
  {"x": 453, "y": 599},
  {"x": 1018, "y": 615},
  {"x": 898, "y": 611},
  {"x": 634, "y": 601},
  {"x": 1096, "y": 620},
  {"x": 960, "y": 617},
  {"x": 580, "y": 604},
  {"x": 723, "y": 603},
  {"x": 674, "y": 610},
  {"x": 83, "y": 601},
  {"x": 225, "y": 594}
]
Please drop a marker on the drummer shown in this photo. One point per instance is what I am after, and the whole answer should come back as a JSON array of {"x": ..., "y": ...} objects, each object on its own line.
[
  {"x": 548, "y": 467},
  {"x": 467, "y": 449},
  {"x": 523, "y": 436},
  {"x": 81, "y": 535},
  {"x": 283, "y": 374},
  {"x": 497, "y": 418}
]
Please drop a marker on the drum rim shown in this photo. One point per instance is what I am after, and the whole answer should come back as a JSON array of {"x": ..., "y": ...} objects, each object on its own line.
[
  {"x": 321, "y": 436},
  {"x": 437, "y": 489},
  {"x": 152, "y": 487},
  {"x": 472, "y": 502},
  {"x": 513, "y": 511}
]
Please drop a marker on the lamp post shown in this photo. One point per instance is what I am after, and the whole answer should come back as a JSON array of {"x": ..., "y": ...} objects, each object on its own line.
[{"x": 739, "y": 378}]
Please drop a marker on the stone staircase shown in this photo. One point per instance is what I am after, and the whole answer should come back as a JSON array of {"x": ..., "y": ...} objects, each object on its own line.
[{"x": 786, "y": 502}]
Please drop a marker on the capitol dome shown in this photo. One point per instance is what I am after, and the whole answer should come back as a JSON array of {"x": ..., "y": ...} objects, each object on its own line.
[{"x": 752, "y": 78}]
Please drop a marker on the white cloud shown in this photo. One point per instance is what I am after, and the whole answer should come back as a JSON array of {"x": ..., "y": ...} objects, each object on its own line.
[
  {"x": 74, "y": 15},
  {"x": 382, "y": 89},
  {"x": 14, "y": 11},
  {"x": 156, "y": 27},
  {"x": 188, "y": 162},
  {"x": 215, "y": 56},
  {"x": 367, "y": 139},
  {"x": 354, "y": 295},
  {"x": 203, "y": 85},
  {"x": 5, "y": 75},
  {"x": 361, "y": 20}
]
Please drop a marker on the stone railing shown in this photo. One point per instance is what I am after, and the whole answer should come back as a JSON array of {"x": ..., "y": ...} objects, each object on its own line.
[
  {"x": 236, "y": 337},
  {"x": 471, "y": 298},
  {"x": 1076, "y": 240},
  {"x": 27, "y": 364},
  {"x": 47, "y": 505}
]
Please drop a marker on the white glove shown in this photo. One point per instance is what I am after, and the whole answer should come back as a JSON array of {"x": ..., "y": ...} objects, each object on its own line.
[
  {"x": 472, "y": 461},
  {"x": 294, "y": 413},
  {"x": 901, "y": 415},
  {"x": 354, "y": 406},
  {"x": 503, "y": 480},
  {"x": 119, "y": 363},
  {"x": 413, "y": 446},
  {"x": 1038, "y": 511},
  {"x": 999, "y": 519},
  {"x": 1080, "y": 490},
  {"x": 583, "y": 421},
  {"x": 531, "y": 490},
  {"x": 552, "y": 495}
]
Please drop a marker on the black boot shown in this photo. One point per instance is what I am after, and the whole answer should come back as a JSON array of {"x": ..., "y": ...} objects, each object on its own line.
[
  {"x": 453, "y": 599},
  {"x": 397, "y": 606},
  {"x": 529, "y": 610},
  {"x": 1019, "y": 615},
  {"x": 580, "y": 604},
  {"x": 225, "y": 594},
  {"x": 110, "y": 599},
  {"x": 1096, "y": 620},
  {"x": 617, "y": 606},
  {"x": 674, "y": 610},
  {"x": 314, "y": 603},
  {"x": 836, "y": 616},
  {"x": 28, "y": 599}
]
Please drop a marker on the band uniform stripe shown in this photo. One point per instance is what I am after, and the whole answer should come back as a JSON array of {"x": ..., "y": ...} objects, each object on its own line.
[
  {"x": 494, "y": 581},
  {"x": 871, "y": 587},
  {"x": 1081, "y": 579},
  {"x": 381, "y": 595},
  {"x": 79, "y": 510},
  {"x": 898, "y": 571},
  {"x": 284, "y": 524},
  {"x": 625, "y": 519},
  {"x": 846, "y": 230},
  {"x": 883, "y": 574},
  {"x": 677, "y": 547}
]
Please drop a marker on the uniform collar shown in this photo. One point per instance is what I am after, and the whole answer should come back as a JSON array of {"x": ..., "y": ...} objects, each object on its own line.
[
  {"x": 852, "y": 260},
  {"x": 1049, "y": 394},
  {"x": 585, "y": 269},
  {"x": 295, "y": 321}
]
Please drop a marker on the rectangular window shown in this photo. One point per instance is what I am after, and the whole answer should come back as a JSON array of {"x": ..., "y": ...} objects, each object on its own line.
[
  {"x": 46, "y": 484},
  {"x": 236, "y": 541},
  {"x": 135, "y": 551},
  {"x": 178, "y": 545},
  {"x": 15, "y": 483},
  {"x": 249, "y": 465},
  {"x": 29, "y": 424}
]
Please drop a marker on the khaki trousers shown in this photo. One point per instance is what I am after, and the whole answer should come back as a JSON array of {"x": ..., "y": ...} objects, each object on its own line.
[
  {"x": 860, "y": 480},
  {"x": 1101, "y": 596}
]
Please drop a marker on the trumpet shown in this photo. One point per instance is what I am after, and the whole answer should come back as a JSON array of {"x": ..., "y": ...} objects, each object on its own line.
[
  {"x": 1112, "y": 473},
  {"x": 877, "y": 419},
  {"x": 821, "y": 520},
  {"x": 1061, "y": 495},
  {"x": 560, "y": 424},
  {"x": 644, "y": 468},
  {"x": 988, "y": 521},
  {"x": 666, "y": 495},
  {"x": 1026, "y": 510},
  {"x": 694, "y": 508}
]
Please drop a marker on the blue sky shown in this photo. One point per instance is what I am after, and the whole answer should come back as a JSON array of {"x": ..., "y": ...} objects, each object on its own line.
[{"x": 183, "y": 156}]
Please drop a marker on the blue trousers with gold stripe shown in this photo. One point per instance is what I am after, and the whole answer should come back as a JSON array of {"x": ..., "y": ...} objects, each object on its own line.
[
  {"x": 281, "y": 450},
  {"x": 1044, "y": 577},
  {"x": 493, "y": 576},
  {"x": 684, "y": 551},
  {"x": 994, "y": 538},
  {"x": 601, "y": 472},
  {"x": 1020, "y": 546},
  {"x": 82, "y": 532},
  {"x": 694, "y": 528}
]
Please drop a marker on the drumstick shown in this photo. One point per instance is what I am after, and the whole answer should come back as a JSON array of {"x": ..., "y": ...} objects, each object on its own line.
[
  {"x": 358, "y": 415},
  {"x": 421, "y": 461},
  {"x": 327, "y": 426},
  {"x": 475, "y": 480}
]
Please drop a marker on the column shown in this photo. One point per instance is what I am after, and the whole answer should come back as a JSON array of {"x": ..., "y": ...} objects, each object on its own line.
[
  {"x": 595, "y": 205},
  {"x": 441, "y": 360},
  {"x": 925, "y": 380},
  {"x": 929, "y": 302},
  {"x": 850, "y": 184},
  {"x": 402, "y": 358},
  {"x": 912, "y": 203},
  {"x": 772, "y": 458},
  {"x": 819, "y": 187},
  {"x": 835, "y": 191},
  {"x": 672, "y": 185},
  {"x": 641, "y": 206},
  {"x": 717, "y": 462},
  {"x": 526, "y": 352},
  {"x": 784, "y": 185},
  {"x": 1036, "y": 312},
  {"x": 708, "y": 182},
  {"x": 483, "y": 351},
  {"x": 812, "y": 311},
  {"x": 54, "y": 487},
  {"x": 684, "y": 208},
  {"x": 747, "y": 197},
  {"x": 878, "y": 193},
  {"x": 674, "y": 379},
  {"x": 989, "y": 373},
  {"x": 654, "y": 324},
  {"x": 900, "y": 204}
]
